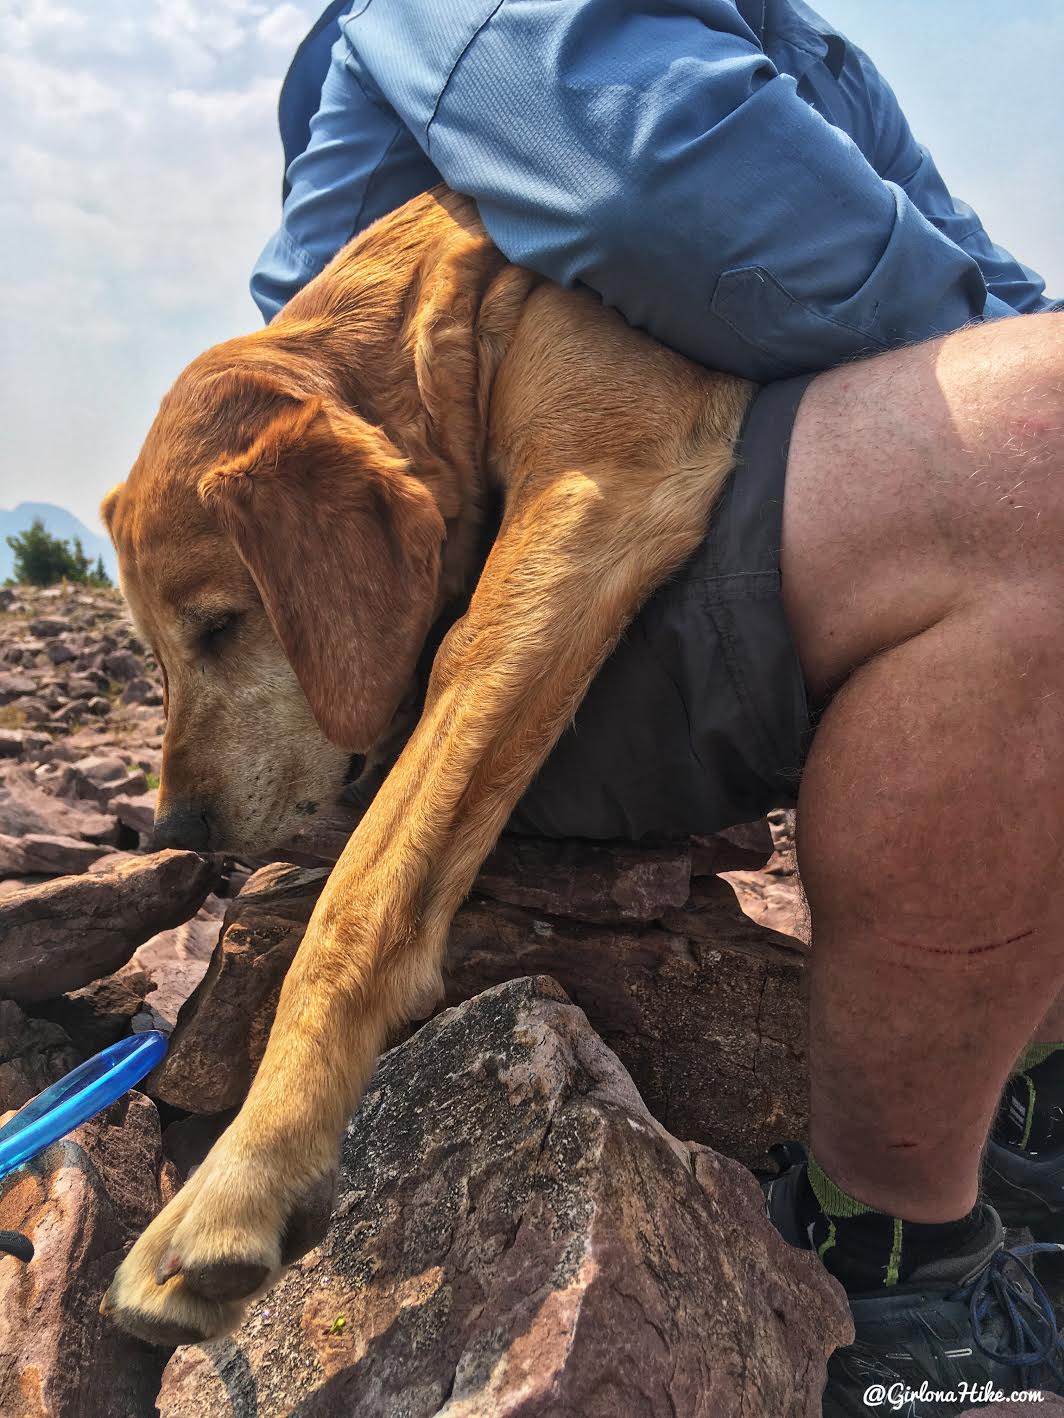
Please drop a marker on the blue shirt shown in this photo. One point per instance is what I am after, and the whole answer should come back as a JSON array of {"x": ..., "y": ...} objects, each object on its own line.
[{"x": 732, "y": 175}]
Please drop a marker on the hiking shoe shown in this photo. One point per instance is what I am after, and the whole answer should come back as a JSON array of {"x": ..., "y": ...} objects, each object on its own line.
[
  {"x": 961, "y": 1332},
  {"x": 1026, "y": 1188}
]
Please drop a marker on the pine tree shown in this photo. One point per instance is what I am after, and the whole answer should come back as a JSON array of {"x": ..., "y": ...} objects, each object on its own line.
[{"x": 42, "y": 560}]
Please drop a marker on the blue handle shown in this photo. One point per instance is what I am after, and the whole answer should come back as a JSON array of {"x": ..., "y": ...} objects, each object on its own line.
[{"x": 78, "y": 1096}]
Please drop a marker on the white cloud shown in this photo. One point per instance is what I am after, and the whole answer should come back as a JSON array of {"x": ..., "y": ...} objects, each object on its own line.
[
  {"x": 140, "y": 178},
  {"x": 228, "y": 107},
  {"x": 283, "y": 27},
  {"x": 24, "y": 26},
  {"x": 52, "y": 94}
]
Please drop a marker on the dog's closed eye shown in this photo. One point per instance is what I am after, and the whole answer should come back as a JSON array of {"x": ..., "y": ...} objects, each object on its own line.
[{"x": 217, "y": 630}]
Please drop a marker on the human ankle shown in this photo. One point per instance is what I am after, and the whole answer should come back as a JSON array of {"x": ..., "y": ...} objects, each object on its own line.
[{"x": 868, "y": 1250}]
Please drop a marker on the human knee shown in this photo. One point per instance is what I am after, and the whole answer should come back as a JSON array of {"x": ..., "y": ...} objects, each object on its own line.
[{"x": 1012, "y": 495}]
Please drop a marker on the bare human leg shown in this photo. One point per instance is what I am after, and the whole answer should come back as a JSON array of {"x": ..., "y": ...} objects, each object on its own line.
[{"x": 925, "y": 584}]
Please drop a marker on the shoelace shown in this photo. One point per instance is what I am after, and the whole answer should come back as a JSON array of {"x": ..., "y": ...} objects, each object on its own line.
[{"x": 1033, "y": 1340}]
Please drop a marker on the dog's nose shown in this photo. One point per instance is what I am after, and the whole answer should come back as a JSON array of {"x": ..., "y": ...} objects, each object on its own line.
[{"x": 183, "y": 825}]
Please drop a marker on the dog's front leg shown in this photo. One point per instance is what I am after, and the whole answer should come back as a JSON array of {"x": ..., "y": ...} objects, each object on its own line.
[{"x": 577, "y": 554}]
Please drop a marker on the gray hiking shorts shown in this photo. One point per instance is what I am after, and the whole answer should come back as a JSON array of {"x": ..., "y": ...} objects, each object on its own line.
[{"x": 699, "y": 720}]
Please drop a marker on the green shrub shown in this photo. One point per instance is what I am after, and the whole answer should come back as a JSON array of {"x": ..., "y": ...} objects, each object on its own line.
[{"x": 42, "y": 560}]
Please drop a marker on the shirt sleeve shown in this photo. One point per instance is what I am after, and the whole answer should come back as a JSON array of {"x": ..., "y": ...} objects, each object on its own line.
[
  {"x": 650, "y": 150},
  {"x": 358, "y": 163},
  {"x": 900, "y": 159}
]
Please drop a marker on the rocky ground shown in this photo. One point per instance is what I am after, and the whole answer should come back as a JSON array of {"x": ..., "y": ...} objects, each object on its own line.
[{"x": 541, "y": 1208}]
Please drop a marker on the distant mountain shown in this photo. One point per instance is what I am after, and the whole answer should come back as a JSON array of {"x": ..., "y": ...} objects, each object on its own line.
[{"x": 61, "y": 524}]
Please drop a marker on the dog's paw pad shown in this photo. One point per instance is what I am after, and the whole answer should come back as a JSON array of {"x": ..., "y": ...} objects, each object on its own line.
[{"x": 226, "y": 1279}]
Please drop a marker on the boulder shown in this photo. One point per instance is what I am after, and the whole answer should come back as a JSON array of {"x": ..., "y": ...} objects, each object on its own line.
[
  {"x": 37, "y": 854},
  {"x": 66, "y": 933},
  {"x": 26, "y": 808},
  {"x": 33, "y": 1054},
  {"x": 59, "y": 651},
  {"x": 22, "y": 743},
  {"x": 122, "y": 665},
  {"x": 136, "y": 813},
  {"x": 176, "y": 961},
  {"x": 587, "y": 882},
  {"x": 14, "y": 685},
  {"x": 222, "y": 1029},
  {"x": 141, "y": 691},
  {"x": 47, "y": 625},
  {"x": 703, "y": 1007},
  {"x": 101, "y": 777},
  {"x": 82, "y": 1204},
  {"x": 100, "y": 1013},
  {"x": 515, "y": 1235}
]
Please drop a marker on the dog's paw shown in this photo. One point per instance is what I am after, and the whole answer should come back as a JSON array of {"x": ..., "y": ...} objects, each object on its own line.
[{"x": 225, "y": 1238}]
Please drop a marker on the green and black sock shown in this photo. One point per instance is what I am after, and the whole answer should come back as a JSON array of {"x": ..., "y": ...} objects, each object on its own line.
[
  {"x": 1031, "y": 1115},
  {"x": 868, "y": 1250}
]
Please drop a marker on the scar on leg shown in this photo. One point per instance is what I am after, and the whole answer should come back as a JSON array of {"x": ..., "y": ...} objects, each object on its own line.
[{"x": 961, "y": 950}]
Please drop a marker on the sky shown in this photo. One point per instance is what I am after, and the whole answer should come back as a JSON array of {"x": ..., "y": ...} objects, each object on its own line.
[{"x": 140, "y": 177}]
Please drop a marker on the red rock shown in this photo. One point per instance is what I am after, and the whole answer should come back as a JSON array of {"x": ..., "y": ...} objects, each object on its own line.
[
  {"x": 100, "y": 1013},
  {"x": 33, "y": 1054},
  {"x": 58, "y": 651},
  {"x": 704, "y": 1008},
  {"x": 14, "y": 685},
  {"x": 516, "y": 1236},
  {"x": 67, "y": 933},
  {"x": 101, "y": 777},
  {"x": 141, "y": 691},
  {"x": 45, "y": 626},
  {"x": 26, "y": 808},
  {"x": 82, "y": 1204},
  {"x": 122, "y": 665},
  {"x": 222, "y": 1029},
  {"x": 22, "y": 743},
  {"x": 137, "y": 813},
  {"x": 586, "y": 882},
  {"x": 176, "y": 961},
  {"x": 38, "y": 855}
]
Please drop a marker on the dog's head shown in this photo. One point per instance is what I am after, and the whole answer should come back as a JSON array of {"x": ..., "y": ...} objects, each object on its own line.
[{"x": 283, "y": 563}]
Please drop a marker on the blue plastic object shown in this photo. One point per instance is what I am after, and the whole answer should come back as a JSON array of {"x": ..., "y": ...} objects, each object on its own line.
[{"x": 78, "y": 1096}]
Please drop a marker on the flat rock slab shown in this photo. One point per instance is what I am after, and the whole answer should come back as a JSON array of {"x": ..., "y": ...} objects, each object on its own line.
[
  {"x": 26, "y": 808},
  {"x": 515, "y": 1236},
  {"x": 82, "y": 1204},
  {"x": 66, "y": 933},
  {"x": 587, "y": 882},
  {"x": 36, "y": 854}
]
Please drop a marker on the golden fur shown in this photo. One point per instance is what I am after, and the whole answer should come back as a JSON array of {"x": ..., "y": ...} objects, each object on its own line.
[{"x": 308, "y": 502}]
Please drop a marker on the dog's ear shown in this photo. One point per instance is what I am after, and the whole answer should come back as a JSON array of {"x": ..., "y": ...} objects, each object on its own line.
[
  {"x": 343, "y": 544},
  {"x": 108, "y": 505}
]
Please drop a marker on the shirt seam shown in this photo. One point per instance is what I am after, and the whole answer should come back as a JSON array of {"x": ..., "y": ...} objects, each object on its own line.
[
  {"x": 377, "y": 101},
  {"x": 451, "y": 72},
  {"x": 370, "y": 179}
]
